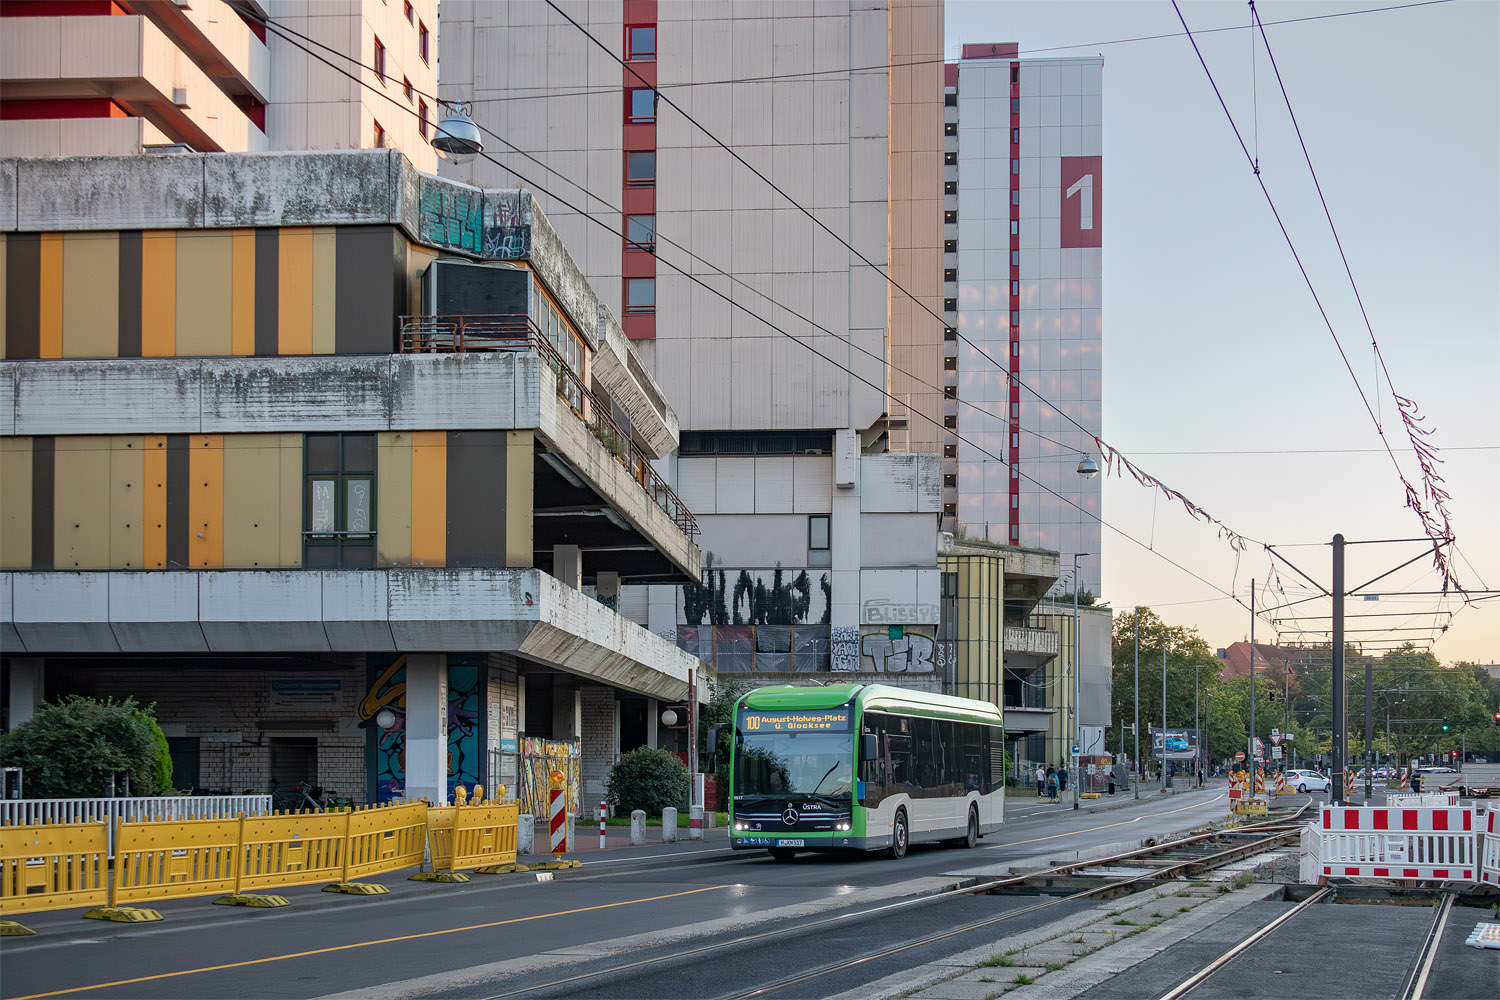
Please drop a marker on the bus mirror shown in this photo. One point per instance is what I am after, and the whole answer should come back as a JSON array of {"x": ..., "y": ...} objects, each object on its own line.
[
  {"x": 867, "y": 747},
  {"x": 713, "y": 737}
]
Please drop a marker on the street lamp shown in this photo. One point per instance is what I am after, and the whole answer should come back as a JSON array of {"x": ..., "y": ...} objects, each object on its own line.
[
  {"x": 1077, "y": 734},
  {"x": 457, "y": 138}
]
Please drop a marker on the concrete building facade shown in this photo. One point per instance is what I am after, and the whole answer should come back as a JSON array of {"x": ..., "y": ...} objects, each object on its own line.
[
  {"x": 339, "y": 463},
  {"x": 1023, "y": 267},
  {"x": 104, "y": 77}
]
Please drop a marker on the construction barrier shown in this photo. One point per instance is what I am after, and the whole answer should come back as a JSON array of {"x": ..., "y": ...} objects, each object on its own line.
[
  {"x": 1260, "y": 782},
  {"x": 1348, "y": 784},
  {"x": 165, "y": 860},
  {"x": 1412, "y": 800},
  {"x": 1281, "y": 788},
  {"x": 1405, "y": 783},
  {"x": 477, "y": 836},
  {"x": 112, "y": 812},
  {"x": 53, "y": 867},
  {"x": 384, "y": 839},
  {"x": 1489, "y": 863},
  {"x": 1383, "y": 842}
]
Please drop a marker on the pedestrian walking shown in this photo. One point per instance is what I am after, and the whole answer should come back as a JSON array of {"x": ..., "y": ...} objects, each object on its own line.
[
  {"x": 1062, "y": 779},
  {"x": 1051, "y": 783},
  {"x": 1041, "y": 781}
]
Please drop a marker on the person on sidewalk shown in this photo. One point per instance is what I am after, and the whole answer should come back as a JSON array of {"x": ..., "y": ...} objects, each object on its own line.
[
  {"x": 1051, "y": 783},
  {"x": 1041, "y": 781},
  {"x": 1062, "y": 779}
]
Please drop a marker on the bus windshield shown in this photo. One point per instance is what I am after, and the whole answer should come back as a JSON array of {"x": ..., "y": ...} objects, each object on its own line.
[{"x": 794, "y": 764}]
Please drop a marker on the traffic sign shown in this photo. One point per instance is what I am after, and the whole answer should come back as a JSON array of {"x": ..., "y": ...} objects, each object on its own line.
[
  {"x": 1275, "y": 738},
  {"x": 1275, "y": 733},
  {"x": 1075, "y": 749},
  {"x": 1240, "y": 755},
  {"x": 1276, "y": 753}
]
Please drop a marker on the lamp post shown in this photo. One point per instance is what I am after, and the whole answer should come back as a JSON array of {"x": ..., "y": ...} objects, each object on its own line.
[
  {"x": 1077, "y": 732},
  {"x": 1166, "y": 775},
  {"x": 1136, "y": 730}
]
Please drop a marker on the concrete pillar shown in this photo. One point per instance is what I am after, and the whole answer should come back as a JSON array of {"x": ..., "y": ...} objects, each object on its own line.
[
  {"x": 669, "y": 825},
  {"x": 525, "y": 834},
  {"x": 661, "y": 609},
  {"x": 567, "y": 565},
  {"x": 637, "y": 827},
  {"x": 600, "y": 743},
  {"x": 845, "y": 555},
  {"x": 607, "y": 588},
  {"x": 427, "y": 727},
  {"x": 27, "y": 683},
  {"x": 653, "y": 722}
]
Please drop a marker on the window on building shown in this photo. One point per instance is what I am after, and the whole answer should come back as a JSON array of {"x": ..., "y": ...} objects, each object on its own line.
[
  {"x": 950, "y": 216},
  {"x": 1015, "y": 135},
  {"x": 1015, "y": 74},
  {"x": 817, "y": 532},
  {"x": 1015, "y": 196},
  {"x": 950, "y": 305},
  {"x": 1015, "y": 166},
  {"x": 951, "y": 450},
  {"x": 1015, "y": 105},
  {"x": 950, "y": 333},
  {"x": 950, "y": 274},
  {"x": 411, "y": 15},
  {"x": 406, "y": 89},
  {"x": 950, "y": 421},
  {"x": 1015, "y": 287},
  {"x": 950, "y": 364},
  {"x": 950, "y": 480},
  {"x": 379, "y": 136},
  {"x": 422, "y": 42},
  {"x": 339, "y": 512},
  {"x": 1015, "y": 470},
  {"x": 1015, "y": 501},
  {"x": 951, "y": 391},
  {"x": 1015, "y": 258},
  {"x": 950, "y": 159},
  {"x": 640, "y": 169},
  {"x": 1015, "y": 439},
  {"x": 1015, "y": 317},
  {"x": 1015, "y": 348},
  {"x": 640, "y": 232},
  {"x": 422, "y": 118},
  {"x": 640, "y": 42},
  {"x": 950, "y": 187},
  {"x": 640, "y": 295},
  {"x": 379, "y": 61},
  {"x": 950, "y": 509},
  {"x": 1015, "y": 227},
  {"x": 640, "y": 105},
  {"x": 1015, "y": 411},
  {"x": 950, "y": 128},
  {"x": 950, "y": 246},
  {"x": 950, "y": 100}
]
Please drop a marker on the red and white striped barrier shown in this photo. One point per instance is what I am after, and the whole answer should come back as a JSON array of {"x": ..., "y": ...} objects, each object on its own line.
[
  {"x": 1405, "y": 783},
  {"x": 558, "y": 821},
  {"x": 1489, "y": 864},
  {"x": 1398, "y": 843},
  {"x": 602, "y": 815}
]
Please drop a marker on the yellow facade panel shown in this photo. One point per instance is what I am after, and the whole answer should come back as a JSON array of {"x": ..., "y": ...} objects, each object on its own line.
[
  {"x": 206, "y": 501},
  {"x": 127, "y": 505},
  {"x": 295, "y": 292},
  {"x": 205, "y": 293},
  {"x": 154, "y": 520},
  {"x": 159, "y": 295},
  {"x": 252, "y": 501},
  {"x": 520, "y": 460},
  {"x": 242, "y": 292},
  {"x": 15, "y": 503},
  {"x": 50, "y": 296},
  {"x": 291, "y": 500},
  {"x": 393, "y": 488},
  {"x": 80, "y": 509},
  {"x": 91, "y": 295},
  {"x": 429, "y": 498}
]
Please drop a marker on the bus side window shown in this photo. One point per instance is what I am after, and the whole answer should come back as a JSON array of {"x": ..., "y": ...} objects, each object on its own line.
[
  {"x": 872, "y": 772},
  {"x": 971, "y": 739},
  {"x": 900, "y": 777}
]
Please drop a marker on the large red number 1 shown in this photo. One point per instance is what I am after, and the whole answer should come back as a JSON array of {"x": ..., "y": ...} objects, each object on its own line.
[{"x": 1081, "y": 193}]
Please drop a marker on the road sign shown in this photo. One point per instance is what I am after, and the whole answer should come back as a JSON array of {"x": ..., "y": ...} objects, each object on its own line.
[
  {"x": 1240, "y": 755},
  {"x": 1275, "y": 733},
  {"x": 1075, "y": 749},
  {"x": 1275, "y": 738},
  {"x": 1276, "y": 753}
]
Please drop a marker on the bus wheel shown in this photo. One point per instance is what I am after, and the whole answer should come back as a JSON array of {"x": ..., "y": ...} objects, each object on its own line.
[
  {"x": 897, "y": 850},
  {"x": 783, "y": 854},
  {"x": 973, "y": 835}
]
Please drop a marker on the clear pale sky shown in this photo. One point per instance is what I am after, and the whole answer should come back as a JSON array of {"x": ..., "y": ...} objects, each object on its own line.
[{"x": 1213, "y": 346}]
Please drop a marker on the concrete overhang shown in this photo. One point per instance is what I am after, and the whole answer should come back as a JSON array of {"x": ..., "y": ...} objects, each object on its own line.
[
  {"x": 1025, "y": 721},
  {"x": 524, "y": 612}
]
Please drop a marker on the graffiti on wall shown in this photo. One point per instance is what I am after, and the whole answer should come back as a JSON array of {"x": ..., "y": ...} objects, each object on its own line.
[
  {"x": 494, "y": 224},
  {"x": 844, "y": 649},
  {"x": 387, "y": 690},
  {"x": 914, "y": 651},
  {"x": 757, "y": 597}
]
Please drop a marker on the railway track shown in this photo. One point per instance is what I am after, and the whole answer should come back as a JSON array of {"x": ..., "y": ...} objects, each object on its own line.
[{"x": 1185, "y": 857}]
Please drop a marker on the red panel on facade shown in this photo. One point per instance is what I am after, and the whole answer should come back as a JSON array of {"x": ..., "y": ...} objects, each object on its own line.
[
  {"x": 59, "y": 8},
  {"x": 640, "y": 327},
  {"x": 72, "y": 107},
  {"x": 1081, "y": 194},
  {"x": 639, "y": 201},
  {"x": 638, "y": 137},
  {"x": 640, "y": 12},
  {"x": 950, "y": 74},
  {"x": 992, "y": 50},
  {"x": 636, "y": 72},
  {"x": 638, "y": 264}
]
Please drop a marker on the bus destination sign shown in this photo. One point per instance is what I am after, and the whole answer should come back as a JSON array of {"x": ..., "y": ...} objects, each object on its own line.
[{"x": 832, "y": 720}]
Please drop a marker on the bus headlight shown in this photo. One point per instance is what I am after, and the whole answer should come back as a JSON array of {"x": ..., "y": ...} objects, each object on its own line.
[
  {"x": 739, "y": 826},
  {"x": 842, "y": 826}
]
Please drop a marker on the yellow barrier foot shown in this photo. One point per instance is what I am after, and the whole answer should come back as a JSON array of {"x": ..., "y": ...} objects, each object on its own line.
[
  {"x": 123, "y": 914},
  {"x": 1088, "y": 795},
  {"x": 357, "y": 888},
  {"x": 500, "y": 869},
  {"x": 251, "y": 899},
  {"x": 9, "y": 928},
  {"x": 552, "y": 866},
  {"x": 439, "y": 877}
]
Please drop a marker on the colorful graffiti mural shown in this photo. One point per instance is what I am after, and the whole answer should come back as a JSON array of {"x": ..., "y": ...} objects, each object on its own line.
[{"x": 386, "y": 746}]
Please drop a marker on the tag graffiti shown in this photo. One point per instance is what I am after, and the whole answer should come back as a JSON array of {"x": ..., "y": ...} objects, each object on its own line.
[{"x": 913, "y": 653}]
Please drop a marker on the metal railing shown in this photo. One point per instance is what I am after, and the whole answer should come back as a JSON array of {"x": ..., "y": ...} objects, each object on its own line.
[
  {"x": 113, "y": 812},
  {"x": 516, "y": 332}
]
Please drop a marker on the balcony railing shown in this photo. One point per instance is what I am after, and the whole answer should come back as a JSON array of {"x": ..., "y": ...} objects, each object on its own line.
[
  {"x": 1040, "y": 641},
  {"x": 516, "y": 332}
]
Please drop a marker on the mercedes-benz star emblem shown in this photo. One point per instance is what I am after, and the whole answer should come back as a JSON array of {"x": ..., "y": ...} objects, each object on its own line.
[{"x": 789, "y": 815}]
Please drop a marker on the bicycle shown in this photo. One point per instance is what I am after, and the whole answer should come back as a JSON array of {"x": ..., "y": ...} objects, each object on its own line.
[{"x": 306, "y": 795}]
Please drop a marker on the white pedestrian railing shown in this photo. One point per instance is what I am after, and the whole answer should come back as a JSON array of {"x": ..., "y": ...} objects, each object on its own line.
[
  {"x": 1410, "y": 800},
  {"x": 113, "y": 812},
  {"x": 1489, "y": 866}
]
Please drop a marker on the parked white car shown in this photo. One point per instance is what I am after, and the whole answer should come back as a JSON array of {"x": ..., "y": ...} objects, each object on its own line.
[{"x": 1308, "y": 781}]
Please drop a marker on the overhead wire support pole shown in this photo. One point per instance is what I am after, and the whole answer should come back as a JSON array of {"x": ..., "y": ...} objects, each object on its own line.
[
  {"x": 1251, "y": 751},
  {"x": 1369, "y": 731},
  {"x": 1338, "y": 711}
]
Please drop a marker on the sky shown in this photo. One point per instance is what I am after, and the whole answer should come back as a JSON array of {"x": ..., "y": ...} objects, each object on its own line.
[{"x": 1220, "y": 376}]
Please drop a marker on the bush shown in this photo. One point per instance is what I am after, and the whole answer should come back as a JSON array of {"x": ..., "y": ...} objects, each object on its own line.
[
  {"x": 70, "y": 748},
  {"x": 647, "y": 778}
]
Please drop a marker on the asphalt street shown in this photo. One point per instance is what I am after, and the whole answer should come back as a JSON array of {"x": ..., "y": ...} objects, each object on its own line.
[{"x": 497, "y": 927}]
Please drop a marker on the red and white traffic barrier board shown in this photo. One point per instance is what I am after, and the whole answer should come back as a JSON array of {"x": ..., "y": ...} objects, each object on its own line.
[
  {"x": 1422, "y": 843},
  {"x": 1489, "y": 866}
]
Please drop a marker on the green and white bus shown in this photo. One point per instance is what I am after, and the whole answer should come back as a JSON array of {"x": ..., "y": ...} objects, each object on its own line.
[{"x": 863, "y": 767}]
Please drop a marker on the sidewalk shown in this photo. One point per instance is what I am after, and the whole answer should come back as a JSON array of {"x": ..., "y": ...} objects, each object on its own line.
[{"x": 585, "y": 849}]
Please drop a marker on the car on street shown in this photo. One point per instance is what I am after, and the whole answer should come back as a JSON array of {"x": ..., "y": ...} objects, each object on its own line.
[
  {"x": 1440, "y": 769},
  {"x": 1308, "y": 781}
]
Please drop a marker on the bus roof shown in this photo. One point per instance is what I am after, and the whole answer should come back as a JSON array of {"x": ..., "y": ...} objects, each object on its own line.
[{"x": 879, "y": 697}]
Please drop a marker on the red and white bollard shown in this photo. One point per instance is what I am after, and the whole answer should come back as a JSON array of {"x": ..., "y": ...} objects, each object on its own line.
[{"x": 602, "y": 815}]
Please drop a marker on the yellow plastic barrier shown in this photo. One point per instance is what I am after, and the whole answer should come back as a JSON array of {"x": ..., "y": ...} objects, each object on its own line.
[
  {"x": 171, "y": 858},
  {"x": 287, "y": 849},
  {"x": 382, "y": 839},
  {"x": 470, "y": 836},
  {"x": 53, "y": 867}
]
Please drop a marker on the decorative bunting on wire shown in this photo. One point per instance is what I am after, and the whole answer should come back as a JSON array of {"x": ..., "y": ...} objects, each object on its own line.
[
  {"x": 1114, "y": 460},
  {"x": 1435, "y": 522}
]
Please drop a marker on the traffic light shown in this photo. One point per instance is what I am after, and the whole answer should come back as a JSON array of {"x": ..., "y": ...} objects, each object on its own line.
[
  {"x": 1497, "y": 718},
  {"x": 1453, "y": 754},
  {"x": 1445, "y": 725}
]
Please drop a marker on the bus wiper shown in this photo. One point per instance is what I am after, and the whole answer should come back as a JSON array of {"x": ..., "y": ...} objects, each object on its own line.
[{"x": 819, "y": 785}]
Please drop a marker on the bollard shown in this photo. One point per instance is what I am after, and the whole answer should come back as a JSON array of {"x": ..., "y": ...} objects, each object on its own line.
[
  {"x": 695, "y": 823},
  {"x": 669, "y": 825},
  {"x": 602, "y": 815},
  {"x": 637, "y": 827},
  {"x": 525, "y": 834}
]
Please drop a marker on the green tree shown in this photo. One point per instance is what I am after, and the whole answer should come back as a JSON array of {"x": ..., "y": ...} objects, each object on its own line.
[
  {"x": 70, "y": 748},
  {"x": 720, "y": 711},
  {"x": 1185, "y": 649}
]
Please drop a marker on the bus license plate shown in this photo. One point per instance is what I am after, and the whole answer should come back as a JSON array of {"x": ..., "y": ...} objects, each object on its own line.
[{"x": 790, "y": 843}]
